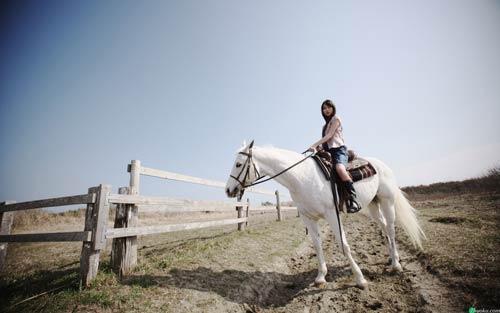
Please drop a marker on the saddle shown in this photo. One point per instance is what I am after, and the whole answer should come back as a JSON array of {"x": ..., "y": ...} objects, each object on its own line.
[{"x": 357, "y": 169}]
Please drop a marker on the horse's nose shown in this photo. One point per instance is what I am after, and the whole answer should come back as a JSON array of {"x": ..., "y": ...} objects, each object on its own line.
[{"x": 227, "y": 191}]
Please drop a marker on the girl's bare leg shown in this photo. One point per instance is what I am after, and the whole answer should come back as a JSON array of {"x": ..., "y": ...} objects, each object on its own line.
[{"x": 342, "y": 172}]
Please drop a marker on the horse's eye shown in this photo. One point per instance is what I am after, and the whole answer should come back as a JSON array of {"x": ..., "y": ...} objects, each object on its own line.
[{"x": 238, "y": 164}]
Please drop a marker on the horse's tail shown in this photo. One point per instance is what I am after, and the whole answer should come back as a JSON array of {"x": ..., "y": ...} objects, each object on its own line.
[{"x": 406, "y": 217}]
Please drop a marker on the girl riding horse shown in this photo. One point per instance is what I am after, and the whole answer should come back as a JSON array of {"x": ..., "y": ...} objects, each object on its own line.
[{"x": 333, "y": 141}]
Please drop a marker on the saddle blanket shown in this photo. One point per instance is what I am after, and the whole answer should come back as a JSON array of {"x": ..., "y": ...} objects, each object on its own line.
[{"x": 357, "y": 168}]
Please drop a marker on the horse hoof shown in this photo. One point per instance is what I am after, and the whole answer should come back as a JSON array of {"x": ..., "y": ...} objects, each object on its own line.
[
  {"x": 320, "y": 285},
  {"x": 362, "y": 284},
  {"x": 396, "y": 268}
]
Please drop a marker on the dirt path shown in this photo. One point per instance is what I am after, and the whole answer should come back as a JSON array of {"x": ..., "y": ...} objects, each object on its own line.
[
  {"x": 257, "y": 272},
  {"x": 414, "y": 290}
]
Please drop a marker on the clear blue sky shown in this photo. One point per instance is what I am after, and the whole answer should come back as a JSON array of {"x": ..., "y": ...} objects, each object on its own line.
[{"x": 87, "y": 86}]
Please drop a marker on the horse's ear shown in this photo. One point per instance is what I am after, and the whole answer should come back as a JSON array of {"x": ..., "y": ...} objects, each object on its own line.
[
  {"x": 251, "y": 145},
  {"x": 244, "y": 143}
]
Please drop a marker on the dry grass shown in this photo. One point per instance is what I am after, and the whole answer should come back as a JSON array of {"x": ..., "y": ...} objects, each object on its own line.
[
  {"x": 29, "y": 219},
  {"x": 463, "y": 246},
  {"x": 490, "y": 182}
]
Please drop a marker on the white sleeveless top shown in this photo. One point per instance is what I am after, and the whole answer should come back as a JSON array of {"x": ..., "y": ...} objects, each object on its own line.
[{"x": 338, "y": 138}]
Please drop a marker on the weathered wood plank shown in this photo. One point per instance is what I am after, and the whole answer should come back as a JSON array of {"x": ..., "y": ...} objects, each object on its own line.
[
  {"x": 101, "y": 211},
  {"x": 185, "y": 209},
  {"x": 89, "y": 259},
  {"x": 247, "y": 210},
  {"x": 174, "y": 205},
  {"x": 147, "y": 200},
  {"x": 120, "y": 253},
  {"x": 148, "y": 230},
  {"x": 129, "y": 261},
  {"x": 46, "y": 237},
  {"x": 278, "y": 205},
  {"x": 180, "y": 177},
  {"x": 240, "y": 215},
  {"x": 6, "y": 220},
  {"x": 258, "y": 190},
  {"x": 195, "y": 180},
  {"x": 226, "y": 208},
  {"x": 283, "y": 208},
  {"x": 288, "y": 208},
  {"x": 45, "y": 203}
]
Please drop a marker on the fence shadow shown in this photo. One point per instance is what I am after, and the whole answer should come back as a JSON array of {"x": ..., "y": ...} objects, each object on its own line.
[
  {"x": 264, "y": 289},
  {"x": 38, "y": 282}
]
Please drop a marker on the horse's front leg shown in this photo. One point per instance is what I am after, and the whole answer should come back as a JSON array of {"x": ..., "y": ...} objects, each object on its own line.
[
  {"x": 332, "y": 220},
  {"x": 313, "y": 228}
]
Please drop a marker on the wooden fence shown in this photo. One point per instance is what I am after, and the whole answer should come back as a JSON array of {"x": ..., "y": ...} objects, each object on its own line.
[
  {"x": 125, "y": 230},
  {"x": 93, "y": 235}
]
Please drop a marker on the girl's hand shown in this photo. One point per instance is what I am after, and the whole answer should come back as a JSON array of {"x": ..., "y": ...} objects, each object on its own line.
[{"x": 311, "y": 149}]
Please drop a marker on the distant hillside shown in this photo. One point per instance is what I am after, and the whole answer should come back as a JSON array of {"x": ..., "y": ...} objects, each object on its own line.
[{"x": 487, "y": 183}]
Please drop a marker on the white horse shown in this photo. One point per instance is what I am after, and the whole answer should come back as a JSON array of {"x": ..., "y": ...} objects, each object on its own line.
[{"x": 312, "y": 194}]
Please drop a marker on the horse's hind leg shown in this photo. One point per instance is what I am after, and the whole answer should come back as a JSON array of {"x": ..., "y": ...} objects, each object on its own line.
[
  {"x": 313, "y": 228},
  {"x": 389, "y": 212},
  {"x": 374, "y": 209},
  {"x": 332, "y": 220}
]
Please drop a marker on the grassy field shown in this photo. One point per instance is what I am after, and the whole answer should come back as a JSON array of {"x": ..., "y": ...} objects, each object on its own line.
[{"x": 33, "y": 269}]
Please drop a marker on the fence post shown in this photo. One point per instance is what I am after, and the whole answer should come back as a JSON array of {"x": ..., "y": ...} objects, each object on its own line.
[
  {"x": 96, "y": 218},
  {"x": 6, "y": 219},
  {"x": 278, "y": 205},
  {"x": 239, "y": 208},
  {"x": 121, "y": 253},
  {"x": 129, "y": 258},
  {"x": 248, "y": 208}
]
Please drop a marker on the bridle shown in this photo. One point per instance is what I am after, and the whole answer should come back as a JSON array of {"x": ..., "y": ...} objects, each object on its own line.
[{"x": 249, "y": 163}]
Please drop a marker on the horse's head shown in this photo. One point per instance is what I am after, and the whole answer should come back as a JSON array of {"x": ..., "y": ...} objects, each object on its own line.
[{"x": 243, "y": 173}]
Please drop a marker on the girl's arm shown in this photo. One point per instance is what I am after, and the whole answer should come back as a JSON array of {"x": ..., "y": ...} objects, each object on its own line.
[{"x": 328, "y": 135}]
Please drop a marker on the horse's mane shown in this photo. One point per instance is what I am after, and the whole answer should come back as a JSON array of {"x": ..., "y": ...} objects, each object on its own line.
[
  {"x": 292, "y": 155},
  {"x": 272, "y": 150}
]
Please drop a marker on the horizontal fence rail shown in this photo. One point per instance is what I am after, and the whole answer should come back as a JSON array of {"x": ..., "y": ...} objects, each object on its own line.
[
  {"x": 263, "y": 208},
  {"x": 185, "y": 209},
  {"x": 46, "y": 203},
  {"x": 148, "y": 230},
  {"x": 146, "y": 200},
  {"x": 195, "y": 180},
  {"x": 46, "y": 237},
  {"x": 170, "y": 205}
]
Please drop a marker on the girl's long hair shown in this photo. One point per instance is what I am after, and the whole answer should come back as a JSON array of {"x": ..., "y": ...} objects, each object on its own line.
[{"x": 330, "y": 104}]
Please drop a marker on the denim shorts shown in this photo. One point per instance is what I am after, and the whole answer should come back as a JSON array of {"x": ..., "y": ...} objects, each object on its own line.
[{"x": 339, "y": 155}]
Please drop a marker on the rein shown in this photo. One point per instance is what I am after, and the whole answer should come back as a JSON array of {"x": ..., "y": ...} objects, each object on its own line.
[
  {"x": 250, "y": 162},
  {"x": 256, "y": 182}
]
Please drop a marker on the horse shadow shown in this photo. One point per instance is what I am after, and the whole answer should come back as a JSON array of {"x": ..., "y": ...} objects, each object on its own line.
[{"x": 257, "y": 288}]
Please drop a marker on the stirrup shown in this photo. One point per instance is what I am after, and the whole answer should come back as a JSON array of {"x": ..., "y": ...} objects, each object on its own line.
[{"x": 352, "y": 206}]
